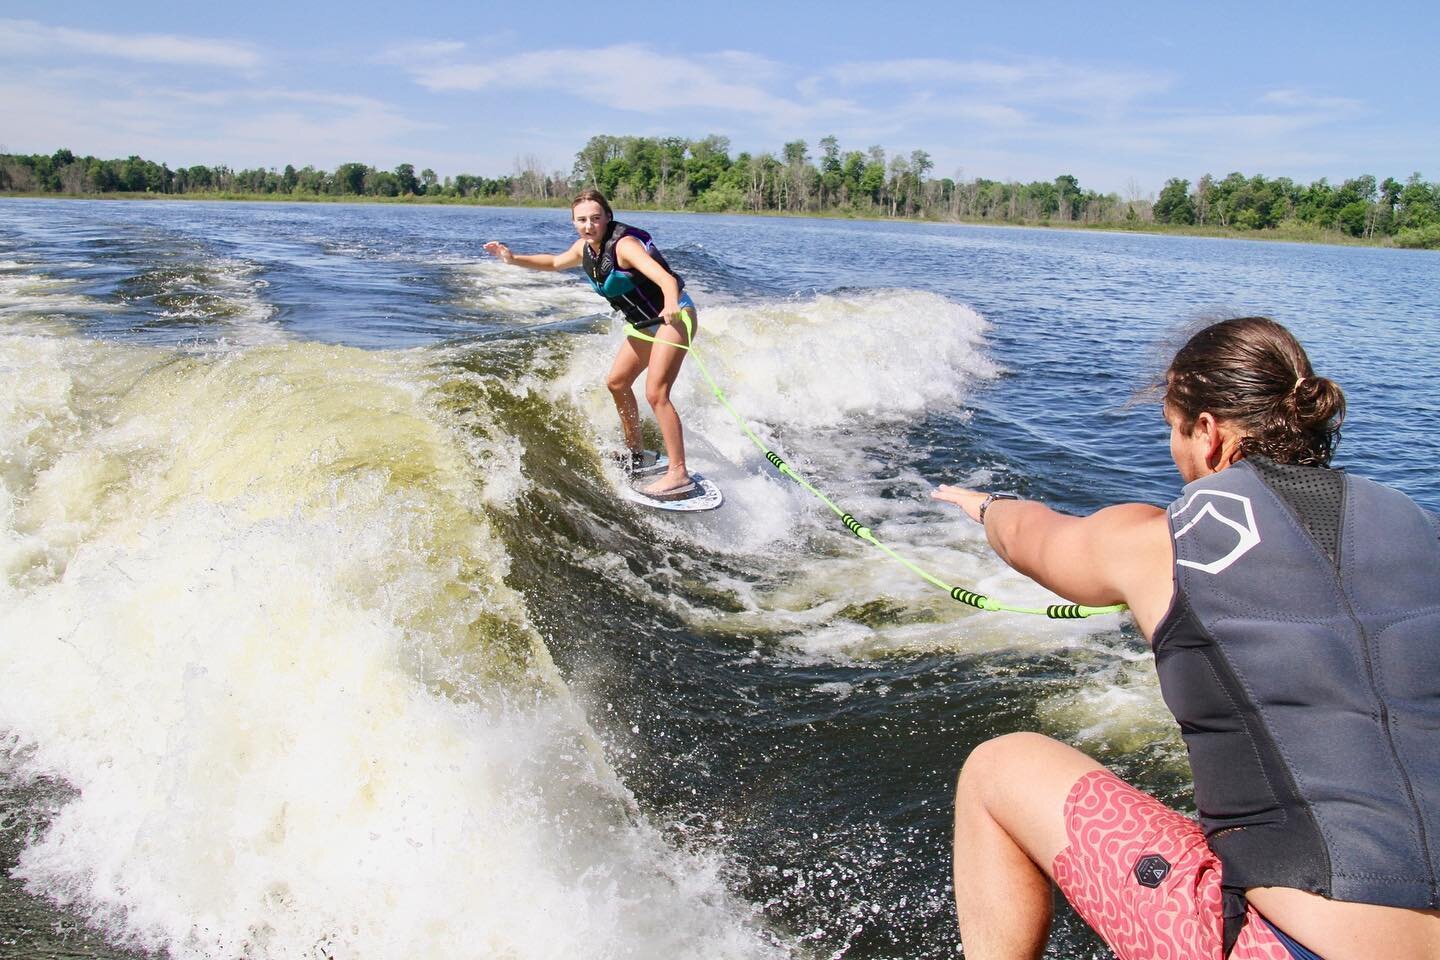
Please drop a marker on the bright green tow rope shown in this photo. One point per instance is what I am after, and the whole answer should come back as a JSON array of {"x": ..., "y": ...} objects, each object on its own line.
[{"x": 1056, "y": 611}]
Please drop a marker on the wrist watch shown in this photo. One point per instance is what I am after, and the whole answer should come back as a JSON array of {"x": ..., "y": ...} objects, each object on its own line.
[{"x": 991, "y": 498}]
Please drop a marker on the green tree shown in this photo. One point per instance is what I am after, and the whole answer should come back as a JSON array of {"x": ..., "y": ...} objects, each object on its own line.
[
  {"x": 349, "y": 179},
  {"x": 591, "y": 159},
  {"x": 380, "y": 183},
  {"x": 872, "y": 181},
  {"x": 612, "y": 174},
  {"x": 1317, "y": 204},
  {"x": 1174, "y": 204},
  {"x": 897, "y": 184},
  {"x": 920, "y": 167},
  {"x": 720, "y": 198},
  {"x": 852, "y": 170},
  {"x": 405, "y": 182},
  {"x": 1419, "y": 204},
  {"x": 312, "y": 181},
  {"x": 832, "y": 174},
  {"x": 1068, "y": 197},
  {"x": 706, "y": 163},
  {"x": 1351, "y": 218}
]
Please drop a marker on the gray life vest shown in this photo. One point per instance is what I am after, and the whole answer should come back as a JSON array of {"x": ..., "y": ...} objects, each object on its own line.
[{"x": 1301, "y": 656}]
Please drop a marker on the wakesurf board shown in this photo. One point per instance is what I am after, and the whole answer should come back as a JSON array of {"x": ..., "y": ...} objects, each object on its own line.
[{"x": 701, "y": 494}]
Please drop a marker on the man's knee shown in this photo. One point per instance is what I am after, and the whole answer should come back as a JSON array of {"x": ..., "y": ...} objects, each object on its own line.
[
  {"x": 993, "y": 756},
  {"x": 1019, "y": 782},
  {"x": 1001, "y": 770}
]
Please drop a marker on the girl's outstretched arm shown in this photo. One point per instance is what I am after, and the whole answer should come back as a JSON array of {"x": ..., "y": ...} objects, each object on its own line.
[{"x": 568, "y": 260}]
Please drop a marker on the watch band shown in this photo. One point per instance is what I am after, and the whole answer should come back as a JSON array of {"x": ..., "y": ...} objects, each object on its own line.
[{"x": 991, "y": 498}]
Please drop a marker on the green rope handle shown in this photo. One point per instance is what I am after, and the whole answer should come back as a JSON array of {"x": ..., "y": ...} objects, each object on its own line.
[{"x": 1055, "y": 611}]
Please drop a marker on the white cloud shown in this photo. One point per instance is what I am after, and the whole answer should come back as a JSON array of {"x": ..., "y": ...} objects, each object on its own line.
[
  {"x": 1299, "y": 100},
  {"x": 374, "y": 135},
  {"x": 1230, "y": 127},
  {"x": 952, "y": 108},
  {"x": 928, "y": 107},
  {"x": 420, "y": 52},
  {"x": 1031, "y": 118},
  {"x": 916, "y": 71},
  {"x": 241, "y": 127},
  {"x": 634, "y": 78},
  {"x": 1029, "y": 81},
  {"x": 28, "y": 38},
  {"x": 244, "y": 95}
]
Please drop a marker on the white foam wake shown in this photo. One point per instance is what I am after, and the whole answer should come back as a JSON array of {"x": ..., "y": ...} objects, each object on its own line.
[
  {"x": 523, "y": 296},
  {"x": 831, "y": 383},
  {"x": 252, "y": 612}
]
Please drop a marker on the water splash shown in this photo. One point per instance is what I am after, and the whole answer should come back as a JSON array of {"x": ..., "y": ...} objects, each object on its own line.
[{"x": 255, "y": 617}]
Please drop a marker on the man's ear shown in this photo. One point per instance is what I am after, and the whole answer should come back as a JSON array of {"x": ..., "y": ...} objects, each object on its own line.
[{"x": 1214, "y": 439}]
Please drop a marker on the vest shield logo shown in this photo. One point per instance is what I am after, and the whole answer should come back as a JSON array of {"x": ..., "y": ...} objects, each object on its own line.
[
  {"x": 1230, "y": 509},
  {"x": 1151, "y": 870}
]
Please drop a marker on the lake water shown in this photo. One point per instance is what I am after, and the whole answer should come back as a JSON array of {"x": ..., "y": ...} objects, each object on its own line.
[{"x": 324, "y": 632}]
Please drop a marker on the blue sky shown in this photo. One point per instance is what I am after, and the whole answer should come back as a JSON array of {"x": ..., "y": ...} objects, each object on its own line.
[{"x": 1122, "y": 95}]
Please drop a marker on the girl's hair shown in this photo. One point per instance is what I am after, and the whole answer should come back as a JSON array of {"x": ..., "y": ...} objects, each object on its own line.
[
  {"x": 598, "y": 197},
  {"x": 1252, "y": 373}
]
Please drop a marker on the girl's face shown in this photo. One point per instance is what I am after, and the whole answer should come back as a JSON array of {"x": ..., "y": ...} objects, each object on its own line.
[{"x": 590, "y": 221}]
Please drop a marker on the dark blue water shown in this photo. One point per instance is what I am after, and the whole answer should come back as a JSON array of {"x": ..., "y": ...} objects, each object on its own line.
[{"x": 772, "y": 695}]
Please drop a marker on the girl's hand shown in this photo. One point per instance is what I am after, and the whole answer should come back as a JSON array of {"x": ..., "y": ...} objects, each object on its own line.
[{"x": 497, "y": 249}]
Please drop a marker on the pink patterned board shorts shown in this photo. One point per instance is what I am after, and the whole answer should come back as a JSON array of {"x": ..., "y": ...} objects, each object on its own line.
[{"x": 1143, "y": 877}]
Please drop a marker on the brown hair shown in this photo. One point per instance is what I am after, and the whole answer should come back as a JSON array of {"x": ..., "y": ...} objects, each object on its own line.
[
  {"x": 598, "y": 197},
  {"x": 1253, "y": 374}
]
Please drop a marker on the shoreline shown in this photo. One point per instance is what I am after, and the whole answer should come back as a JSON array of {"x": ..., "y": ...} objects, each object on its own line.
[{"x": 1297, "y": 234}]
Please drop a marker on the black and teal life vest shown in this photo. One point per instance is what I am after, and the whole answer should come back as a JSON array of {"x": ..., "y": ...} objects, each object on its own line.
[
  {"x": 1301, "y": 656},
  {"x": 629, "y": 291}
]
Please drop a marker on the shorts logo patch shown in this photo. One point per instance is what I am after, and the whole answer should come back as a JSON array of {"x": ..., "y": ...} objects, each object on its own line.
[{"x": 1151, "y": 870}]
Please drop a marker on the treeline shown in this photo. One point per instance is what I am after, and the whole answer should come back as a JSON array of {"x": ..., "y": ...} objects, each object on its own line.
[
  {"x": 674, "y": 173},
  {"x": 63, "y": 172},
  {"x": 699, "y": 174},
  {"x": 665, "y": 173},
  {"x": 1409, "y": 211}
]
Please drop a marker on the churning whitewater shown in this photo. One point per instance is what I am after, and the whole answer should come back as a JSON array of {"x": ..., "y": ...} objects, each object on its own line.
[
  {"x": 256, "y": 622},
  {"x": 255, "y": 619}
]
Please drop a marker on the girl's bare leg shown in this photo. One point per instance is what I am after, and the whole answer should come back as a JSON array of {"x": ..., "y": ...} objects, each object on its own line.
[
  {"x": 664, "y": 368},
  {"x": 630, "y": 360}
]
